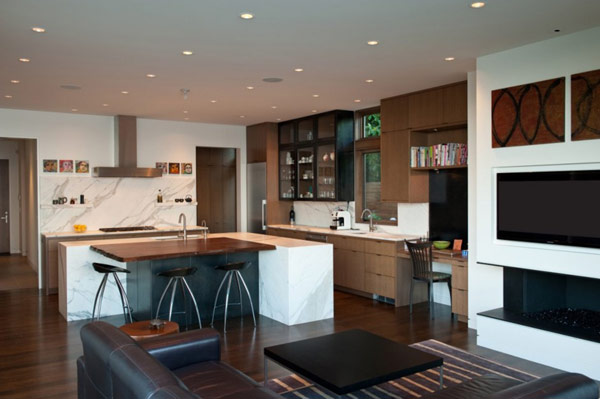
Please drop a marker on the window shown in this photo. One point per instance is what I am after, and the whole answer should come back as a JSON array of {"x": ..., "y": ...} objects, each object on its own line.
[
  {"x": 368, "y": 123},
  {"x": 382, "y": 211}
]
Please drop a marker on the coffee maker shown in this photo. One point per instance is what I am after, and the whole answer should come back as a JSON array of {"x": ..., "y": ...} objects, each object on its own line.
[{"x": 340, "y": 220}]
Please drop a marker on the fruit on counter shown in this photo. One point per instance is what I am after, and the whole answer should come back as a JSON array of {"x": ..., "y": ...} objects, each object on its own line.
[{"x": 79, "y": 228}]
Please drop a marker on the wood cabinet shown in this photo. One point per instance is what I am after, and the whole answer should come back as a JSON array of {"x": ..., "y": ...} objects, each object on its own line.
[
  {"x": 394, "y": 114},
  {"x": 455, "y": 103},
  {"x": 460, "y": 291},
  {"x": 349, "y": 269},
  {"x": 316, "y": 157},
  {"x": 426, "y": 108}
]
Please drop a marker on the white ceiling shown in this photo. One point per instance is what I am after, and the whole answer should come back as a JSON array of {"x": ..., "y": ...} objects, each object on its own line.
[{"x": 106, "y": 46}]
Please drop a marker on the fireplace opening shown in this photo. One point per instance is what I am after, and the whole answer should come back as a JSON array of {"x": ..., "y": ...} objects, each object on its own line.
[{"x": 559, "y": 303}]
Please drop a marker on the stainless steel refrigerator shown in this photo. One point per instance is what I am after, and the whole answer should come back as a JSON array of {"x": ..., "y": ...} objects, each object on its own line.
[{"x": 256, "y": 177}]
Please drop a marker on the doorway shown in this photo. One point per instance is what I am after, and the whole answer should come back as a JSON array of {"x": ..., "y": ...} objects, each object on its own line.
[
  {"x": 18, "y": 214},
  {"x": 216, "y": 188}
]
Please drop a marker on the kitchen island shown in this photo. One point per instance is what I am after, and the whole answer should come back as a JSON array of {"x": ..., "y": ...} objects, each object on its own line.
[{"x": 290, "y": 281}]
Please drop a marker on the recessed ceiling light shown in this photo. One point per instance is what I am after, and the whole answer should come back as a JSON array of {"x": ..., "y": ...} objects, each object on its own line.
[
  {"x": 7, "y": 96},
  {"x": 74, "y": 109},
  {"x": 38, "y": 29},
  {"x": 15, "y": 81},
  {"x": 70, "y": 87},
  {"x": 124, "y": 92},
  {"x": 185, "y": 112},
  {"x": 357, "y": 100},
  {"x": 313, "y": 111},
  {"x": 298, "y": 69},
  {"x": 250, "y": 87},
  {"x": 278, "y": 119},
  {"x": 150, "y": 75},
  {"x": 477, "y": 4},
  {"x": 24, "y": 59},
  {"x": 372, "y": 42},
  {"x": 449, "y": 59},
  {"x": 246, "y": 15},
  {"x": 105, "y": 105},
  {"x": 369, "y": 80},
  {"x": 315, "y": 95},
  {"x": 213, "y": 101},
  {"x": 187, "y": 52},
  {"x": 274, "y": 106},
  {"x": 242, "y": 116},
  {"x": 186, "y": 119}
]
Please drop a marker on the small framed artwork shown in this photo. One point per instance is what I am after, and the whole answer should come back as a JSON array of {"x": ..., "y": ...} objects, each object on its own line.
[
  {"x": 186, "y": 168},
  {"x": 173, "y": 168},
  {"x": 65, "y": 166},
  {"x": 164, "y": 166},
  {"x": 457, "y": 246},
  {"x": 82, "y": 166},
  {"x": 50, "y": 165}
]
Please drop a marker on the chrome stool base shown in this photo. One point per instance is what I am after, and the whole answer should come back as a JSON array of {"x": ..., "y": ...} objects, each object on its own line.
[
  {"x": 108, "y": 270},
  {"x": 232, "y": 270},
  {"x": 177, "y": 276}
]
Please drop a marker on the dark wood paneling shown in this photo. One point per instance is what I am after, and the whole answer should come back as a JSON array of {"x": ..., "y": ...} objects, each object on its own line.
[{"x": 256, "y": 139}]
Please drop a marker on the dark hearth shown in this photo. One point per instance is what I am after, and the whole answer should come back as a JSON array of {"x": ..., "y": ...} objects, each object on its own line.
[{"x": 576, "y": 318}]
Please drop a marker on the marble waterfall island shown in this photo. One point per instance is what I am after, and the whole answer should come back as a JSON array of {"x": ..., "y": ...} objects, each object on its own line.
[{"x": 290, "y": 281}]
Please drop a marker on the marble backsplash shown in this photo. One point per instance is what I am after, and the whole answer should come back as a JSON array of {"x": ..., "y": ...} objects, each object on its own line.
[
  {"x": 413, "y": 219},
  {"x": 115, "y": 202}
]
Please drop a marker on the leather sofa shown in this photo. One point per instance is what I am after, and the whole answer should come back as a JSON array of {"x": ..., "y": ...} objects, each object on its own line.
[
  {"x": 187, "y": 365},
  {"x": 184, "y": 365}
]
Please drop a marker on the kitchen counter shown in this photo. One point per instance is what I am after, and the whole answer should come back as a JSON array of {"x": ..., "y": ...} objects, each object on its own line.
[
  {"x": 91, "y": 233},
  {"x": 347, "y": 233},
  {"x": 290, "y": 280}
]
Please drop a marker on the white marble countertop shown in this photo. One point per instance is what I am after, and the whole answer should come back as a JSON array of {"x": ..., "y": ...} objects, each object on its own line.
[
  {"x": 346, "y": 233},
  {"x": 117, "y": 233},
  {"x": 262, "y": 238}
]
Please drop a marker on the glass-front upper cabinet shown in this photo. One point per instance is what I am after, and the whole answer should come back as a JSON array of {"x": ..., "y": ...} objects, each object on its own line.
[
  {"x": 287, "y": 174},
  {"x": 326, "y": 171},
  {"x": 286, "y": 133},
  {"x": 306, "y": 130},
  {"x": 326, "y": 126},
  {"x": 306, "y": 177}
]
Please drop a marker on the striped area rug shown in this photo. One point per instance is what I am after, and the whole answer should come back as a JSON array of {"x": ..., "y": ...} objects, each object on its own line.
[{"x": 459, "y": 366}]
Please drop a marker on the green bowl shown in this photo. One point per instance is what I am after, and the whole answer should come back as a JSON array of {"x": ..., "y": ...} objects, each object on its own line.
[{"x": 441, "y": 244}]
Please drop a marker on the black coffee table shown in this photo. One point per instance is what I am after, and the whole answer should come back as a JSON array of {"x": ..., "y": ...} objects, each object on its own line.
[{"x": 351, "y": 360}]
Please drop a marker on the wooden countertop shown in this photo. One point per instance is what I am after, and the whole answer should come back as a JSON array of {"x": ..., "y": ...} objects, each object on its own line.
[{"x": 150, "y": 250}]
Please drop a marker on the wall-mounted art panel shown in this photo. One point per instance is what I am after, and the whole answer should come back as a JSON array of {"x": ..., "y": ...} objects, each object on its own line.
[
  {"x": 585, "y": 106},
  {"x": 529, "y": 114}
]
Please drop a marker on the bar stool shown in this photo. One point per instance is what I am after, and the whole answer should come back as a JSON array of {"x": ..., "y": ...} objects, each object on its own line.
[
  {"x": 232, "y": 269},
  {"x": 108, "y": 270},
  {"x": 178, "y": 276}
]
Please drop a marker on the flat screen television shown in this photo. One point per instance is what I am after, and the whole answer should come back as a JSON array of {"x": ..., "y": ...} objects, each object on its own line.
[{"x": 560, "y": 208}]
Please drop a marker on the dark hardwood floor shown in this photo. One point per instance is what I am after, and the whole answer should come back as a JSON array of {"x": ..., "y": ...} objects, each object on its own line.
[
  {"x": 15, "y": 273},
  {"x": 38, "y": 348}
]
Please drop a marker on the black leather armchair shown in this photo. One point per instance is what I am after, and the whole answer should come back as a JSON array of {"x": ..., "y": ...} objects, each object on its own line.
[{"x": 185, "y": 365}]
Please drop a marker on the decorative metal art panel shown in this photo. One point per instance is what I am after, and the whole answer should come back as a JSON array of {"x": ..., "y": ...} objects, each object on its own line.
[
  {"x": 533, "y": 113},
  {"x": 585, "y": 106}
]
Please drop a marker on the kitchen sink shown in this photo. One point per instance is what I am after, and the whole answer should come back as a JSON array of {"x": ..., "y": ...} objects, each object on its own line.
[{"x": 359, "y": 232}]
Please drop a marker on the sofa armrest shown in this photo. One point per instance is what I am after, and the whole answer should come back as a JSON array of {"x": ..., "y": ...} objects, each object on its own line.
[
  {"x": 184, "y": 349},
  {"x": 562, "y": 385}
]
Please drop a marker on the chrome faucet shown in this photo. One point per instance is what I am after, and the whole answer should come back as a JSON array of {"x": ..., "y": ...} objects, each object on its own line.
[
  {"x": 362, "y": 216},
  {"x": 184, "y": 232},
  {"x": 205, "y": 231}
]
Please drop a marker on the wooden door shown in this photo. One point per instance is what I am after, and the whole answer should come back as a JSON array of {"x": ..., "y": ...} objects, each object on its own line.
[
  {"x": 4, "y": 208},
  {"x": 216, "y": 182}
]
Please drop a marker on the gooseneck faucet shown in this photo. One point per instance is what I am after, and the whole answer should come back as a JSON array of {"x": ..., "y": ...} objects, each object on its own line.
[
  {"x": 184, "y": 232},
  {"x": 203, "y": 224},
  {"x": 362, "y": 216}
]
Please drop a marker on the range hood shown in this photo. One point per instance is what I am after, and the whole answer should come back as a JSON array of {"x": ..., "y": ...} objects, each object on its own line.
[{"x": 126, "y": 152}]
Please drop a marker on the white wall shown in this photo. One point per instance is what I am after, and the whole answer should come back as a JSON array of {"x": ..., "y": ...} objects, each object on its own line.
[
  {"x": 89, "y": 137},
  {"x": 9, "y": 150},
  {"x": 562, "y": 56}
]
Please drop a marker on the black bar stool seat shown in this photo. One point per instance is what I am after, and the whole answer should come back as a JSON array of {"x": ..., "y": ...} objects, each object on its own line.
[
  {"x": 108, "y": 270},
  {"x": 232, "y": 270},
  {"x": 176, "y": 276}
]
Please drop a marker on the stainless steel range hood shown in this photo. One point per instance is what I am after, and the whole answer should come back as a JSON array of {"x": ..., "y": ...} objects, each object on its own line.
[{"x": 126, "y": 152}]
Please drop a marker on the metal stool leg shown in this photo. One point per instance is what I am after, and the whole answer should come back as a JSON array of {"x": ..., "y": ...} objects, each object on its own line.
[
  {"x": 239, "y": 285},
  {"x": 410, "y": 299},
  {"x": 193, "y": 300},
  {"x": 227, "y": 300},
  {"x": 124, "y": 299},
  {"x": 172, "y": 298},
  {"x": 100, "y": 289},
  {"x": 247, "y": 292},
  {"x": 163, "y": 297},
  {"x": 212, "y": 320}
]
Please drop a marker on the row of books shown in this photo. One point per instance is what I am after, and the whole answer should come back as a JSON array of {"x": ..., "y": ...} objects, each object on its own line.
[{"x": 450, "y": 154}]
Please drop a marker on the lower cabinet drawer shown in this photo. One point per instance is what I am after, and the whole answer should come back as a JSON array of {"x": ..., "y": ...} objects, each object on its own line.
[
  {"x": 380, "y": 247},
  {"x": 460, "y": 302},
  {"x": 380, "y": 264},
  {"x": 381, "y": 285},
  {"x": 460, "y": 277}
]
